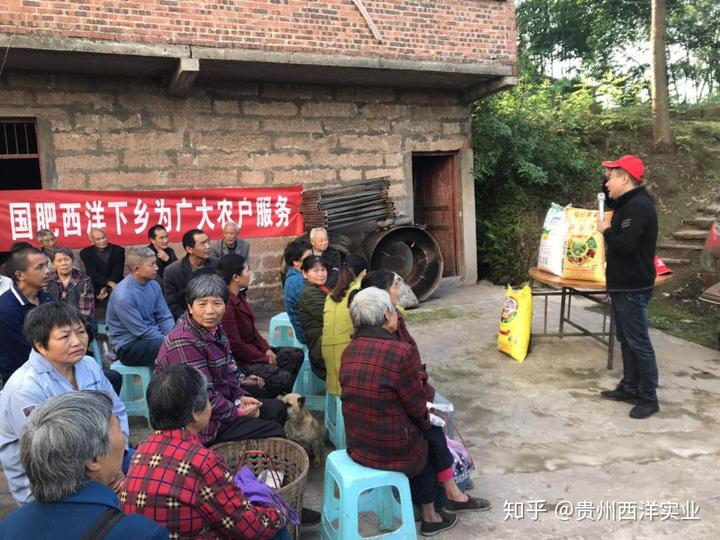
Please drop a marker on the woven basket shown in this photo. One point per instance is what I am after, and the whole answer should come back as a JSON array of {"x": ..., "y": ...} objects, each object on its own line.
[{"x": 281, "y": 455}]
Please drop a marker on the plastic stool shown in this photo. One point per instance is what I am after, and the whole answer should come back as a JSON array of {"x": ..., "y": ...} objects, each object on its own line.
[
  {"x": 282, "y": 333},
  {"x": 132, "y": 394},
  {"x": 353, "y": 482},
  {"x": 334, "y": 422},
  {"x": 310, "y": 385},
  {"x": 97, "y": 355}
]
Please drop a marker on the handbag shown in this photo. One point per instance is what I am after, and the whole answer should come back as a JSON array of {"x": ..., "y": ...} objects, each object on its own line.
[
  {"x": 260, "y": 493},
  {"x": 463, "y": 466}
]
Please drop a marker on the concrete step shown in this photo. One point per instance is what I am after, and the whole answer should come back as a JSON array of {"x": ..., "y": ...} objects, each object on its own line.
[
  {"x": 676, "y": 261},
  {"x": 679, "y": 246},
  {"x": 690, "y": 235},
  {"x": 701, "y": 222},
  {"x": 710, "y": 209}
]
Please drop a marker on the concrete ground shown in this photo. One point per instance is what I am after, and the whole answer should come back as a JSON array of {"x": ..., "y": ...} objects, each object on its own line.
[{"x": 556, "y": 460}]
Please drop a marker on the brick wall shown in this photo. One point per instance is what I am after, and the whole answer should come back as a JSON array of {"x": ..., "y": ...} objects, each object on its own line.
[
  {"x": 448, "y": 31},
  {"x": 100, "y": 133}
]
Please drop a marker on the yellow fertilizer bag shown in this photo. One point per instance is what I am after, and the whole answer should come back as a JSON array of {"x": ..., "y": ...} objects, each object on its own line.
[
  {"x": 585, "y": 246},
  {"x": 516, "y": 323}
]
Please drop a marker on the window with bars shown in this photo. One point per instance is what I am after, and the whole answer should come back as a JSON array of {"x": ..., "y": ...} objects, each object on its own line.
[{"x": 19, "y": 157}]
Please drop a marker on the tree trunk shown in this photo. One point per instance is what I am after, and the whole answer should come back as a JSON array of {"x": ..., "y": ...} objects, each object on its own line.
[{"x": 662, "y": 140}]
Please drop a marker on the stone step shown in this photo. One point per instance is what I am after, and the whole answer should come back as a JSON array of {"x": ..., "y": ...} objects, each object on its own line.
[
  {"x": 679, "y": 246},
  {"x": 690, "y": 235},
  {"x": 710, "y": 209},
  {"x": 701, "y": 222},
  {"x": 675, "y": 261}
]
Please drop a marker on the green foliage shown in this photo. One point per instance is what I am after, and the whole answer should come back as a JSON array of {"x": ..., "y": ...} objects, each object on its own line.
[{"x": 532, "y": 146}]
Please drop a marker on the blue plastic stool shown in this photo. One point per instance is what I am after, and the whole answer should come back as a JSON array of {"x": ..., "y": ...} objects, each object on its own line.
[
  {"x": 133, "y": 394},
  {"x": 353, "y": 482},
  {"x": 282, "y": 333},
  {"x": 334, "y": 422},
  {"x": 97, "y": 355},
  {"x": 310, "y": 385}
]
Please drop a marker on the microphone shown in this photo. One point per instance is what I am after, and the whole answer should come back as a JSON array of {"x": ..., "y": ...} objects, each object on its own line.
[{"x": 601, "y": 205}]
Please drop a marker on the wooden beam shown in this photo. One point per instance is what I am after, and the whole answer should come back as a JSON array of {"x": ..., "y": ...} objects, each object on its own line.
[
  {"x": 184, "y": 76},
  {"x": 368, "y": 19},
  {"x": 488, "y": 88}
]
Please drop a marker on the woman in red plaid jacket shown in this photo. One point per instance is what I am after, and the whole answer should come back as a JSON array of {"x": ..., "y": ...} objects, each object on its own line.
[{"x": 386, "y": 417}]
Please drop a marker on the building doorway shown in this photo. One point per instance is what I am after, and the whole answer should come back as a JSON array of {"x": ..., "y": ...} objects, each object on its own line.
[{"x": 436, "y": 204}]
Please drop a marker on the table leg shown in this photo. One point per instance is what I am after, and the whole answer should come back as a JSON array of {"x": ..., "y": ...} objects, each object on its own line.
[{"x": 562, "y": 311}]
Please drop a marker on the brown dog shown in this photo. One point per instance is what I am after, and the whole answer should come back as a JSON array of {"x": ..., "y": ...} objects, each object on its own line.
[{"x": 303, "y": 428}]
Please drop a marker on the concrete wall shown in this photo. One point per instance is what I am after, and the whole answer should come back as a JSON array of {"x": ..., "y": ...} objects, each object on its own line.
[
  {"x": 100, "y": 133},
  {"x": 447, "y": 31}
]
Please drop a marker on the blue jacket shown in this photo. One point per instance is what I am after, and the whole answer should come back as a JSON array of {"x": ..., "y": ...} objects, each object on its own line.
[
  {"x": 294, "y": 285},
  {"x": 69, "y": 518}
]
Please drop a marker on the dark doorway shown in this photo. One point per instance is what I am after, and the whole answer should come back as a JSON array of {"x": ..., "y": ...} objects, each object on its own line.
[
  {"x": 436, "y": 203},
  {"x": 19, "y": 157}
]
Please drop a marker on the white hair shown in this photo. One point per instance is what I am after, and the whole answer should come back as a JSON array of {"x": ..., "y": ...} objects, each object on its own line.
[
  {"x": 316, "y": 230},
  {"x": 369, "y": 307},
  {"x": 233, "y": 224}
]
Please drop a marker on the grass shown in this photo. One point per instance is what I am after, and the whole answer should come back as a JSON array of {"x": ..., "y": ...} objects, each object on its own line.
[{"x": 696, "y": 323}]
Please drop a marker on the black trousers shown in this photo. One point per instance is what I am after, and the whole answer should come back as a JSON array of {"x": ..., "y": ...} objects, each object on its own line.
[
  {"x": 115, "y": 379},
  {"x": 273, "y": 414},
  {"x": 424, "y": 486},
  {"x": 279, "y": 379}
]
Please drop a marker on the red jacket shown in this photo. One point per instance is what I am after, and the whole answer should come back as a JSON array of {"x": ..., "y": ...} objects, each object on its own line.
[
  {"x": 404, "y": 334},
  {"x": 246, "y": 343},
  {"x": 383, "y": 403}
]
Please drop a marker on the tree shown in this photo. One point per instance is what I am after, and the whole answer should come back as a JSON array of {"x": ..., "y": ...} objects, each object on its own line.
[{"x": 662, "y": 140}]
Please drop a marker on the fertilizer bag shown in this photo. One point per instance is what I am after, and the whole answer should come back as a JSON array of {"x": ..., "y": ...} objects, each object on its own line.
[
  {"x": 585, "y": 246},
  {"x": 516, "y": 323},
  {"x": 551, "y": 255}
]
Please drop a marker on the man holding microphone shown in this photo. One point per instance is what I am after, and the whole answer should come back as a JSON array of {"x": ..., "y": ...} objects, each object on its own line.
[{"x": 630, "y": 240}]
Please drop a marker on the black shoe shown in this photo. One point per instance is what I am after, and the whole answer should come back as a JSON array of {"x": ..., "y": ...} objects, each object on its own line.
[
  {"x": 473, "y": 504},
  {"x": 428, "y": 528},
  {"x": 620, "y": 394},
  {"x": 645, "y": 408},
  {"x": 309, "y": 518}
]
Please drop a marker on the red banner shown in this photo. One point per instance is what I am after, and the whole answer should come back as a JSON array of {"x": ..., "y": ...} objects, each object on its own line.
[{"x": 126, "y": 216}]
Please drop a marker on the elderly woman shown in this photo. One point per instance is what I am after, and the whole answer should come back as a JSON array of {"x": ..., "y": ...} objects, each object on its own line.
[
  {"x": 199, "y": 340},
  {"x": 337, "y": 325},
  {"x": 208, "y": 504},
  {"x": 273, "y": 369},
  {"x": 72, "y": 449},
  {"x": 312, "y": 305},
  {"x": 70, "y": 285},
  {"x": 57, "y": 365},
  {"x": 386, "y": 416},
  {"x": 295, "y": 253}
]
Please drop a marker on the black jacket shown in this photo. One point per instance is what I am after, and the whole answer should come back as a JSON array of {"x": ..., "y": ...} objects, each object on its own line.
[
  {"x": 630, "y": 242},
  {"x": 162, "y": 265},
  {"x": 176, "y": 278},
  {"x": 99, "y": 272}
]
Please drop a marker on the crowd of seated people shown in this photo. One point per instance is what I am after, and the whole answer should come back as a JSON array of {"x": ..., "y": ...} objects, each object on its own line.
[{"x": 216, "y": 379}]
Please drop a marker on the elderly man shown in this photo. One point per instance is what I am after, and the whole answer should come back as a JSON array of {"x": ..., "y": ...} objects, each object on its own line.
[
  {"x": 47, "y": 240},
  {"x": 386, "y": 416},
  {"x": 160, "y": 245},
  {"x": 29, "y": 271},
  {"x": 230, "y": 243},
  {"x": 320, "y": 245},
  {"x": 104, "y": 263},
  {"x": 197, "y": 260},
  {"x": 138, "y": 319},
  {"x": 630, "y": 274}
]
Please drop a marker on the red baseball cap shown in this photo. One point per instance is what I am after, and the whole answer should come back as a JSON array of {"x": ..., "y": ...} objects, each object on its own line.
[{"x": 630, "y": 164}]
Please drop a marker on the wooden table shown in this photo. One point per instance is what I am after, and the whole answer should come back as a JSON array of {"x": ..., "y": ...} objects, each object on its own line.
[{"x": 566, "y": 289}]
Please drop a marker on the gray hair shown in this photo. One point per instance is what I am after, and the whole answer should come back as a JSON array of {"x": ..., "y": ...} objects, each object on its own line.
[
  {"x": 60, "y": 438},
  {"x": 369, "y": 307},
  {"x": 95, "y": 229},
  {"x": 135, "y": 256},
  {"x": 42, "y": 233},
  {"x": 234, "y": 225},
  {"x": 314, "y": 231},
  {"x": 205, "y": 285},
  {"x": 62, "y": 251}
]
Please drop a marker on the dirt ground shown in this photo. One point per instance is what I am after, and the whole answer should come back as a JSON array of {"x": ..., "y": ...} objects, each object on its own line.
[{"x": 556, "y": 460}]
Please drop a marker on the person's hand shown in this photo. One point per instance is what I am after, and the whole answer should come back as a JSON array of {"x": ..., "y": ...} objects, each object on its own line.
[
  {"x": 254, "y": 380},
  {"x": 272, "y": 357},
  {"x": 162, "y": 255},
  {"x": 116, "y": 484},
  {"x": 602, "y": 225},
  {"x": 103, "y": 294},
  {"x": 249, "y": 407},
  {"x": 111, "y": 284}
]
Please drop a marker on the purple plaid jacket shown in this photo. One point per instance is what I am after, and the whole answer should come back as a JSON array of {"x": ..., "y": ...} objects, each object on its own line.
[
  {"x": 383, "y": 403},
  {"x": 79, "y": 292},
  {"x": 189, "y": 343}
]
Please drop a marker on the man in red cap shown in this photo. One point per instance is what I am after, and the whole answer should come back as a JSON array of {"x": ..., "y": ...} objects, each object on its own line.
[{"x": 630, "y": 241}]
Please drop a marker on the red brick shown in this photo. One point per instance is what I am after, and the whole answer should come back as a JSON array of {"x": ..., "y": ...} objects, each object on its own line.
[
  {"x": 329, "y": 109},
  {"x": 72, "y": 181},
  {"x": 277, "y": 108},
  {"x": 229, "y": 141},
  {"x": 306, "y": 142},
  {"x": 307, "y": 176},
  {"x": 75, "y": 141},
  {"x": 106, "y": 122},
  {"x": 251, "y": 178},
  {"x": 276, "y": 161},
  {"x": 146, "y": 160},
  {"x": 140, "y": 141},
  {"x": 87, "y": 162},
  {"x": 387, "y": 143}
]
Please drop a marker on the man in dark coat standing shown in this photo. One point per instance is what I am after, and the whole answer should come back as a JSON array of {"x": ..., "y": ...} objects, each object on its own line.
[
  {"x": 630, "y": 240},
  {"x": 104, "y": 263},
  {"x": 164, "y": 254}
]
